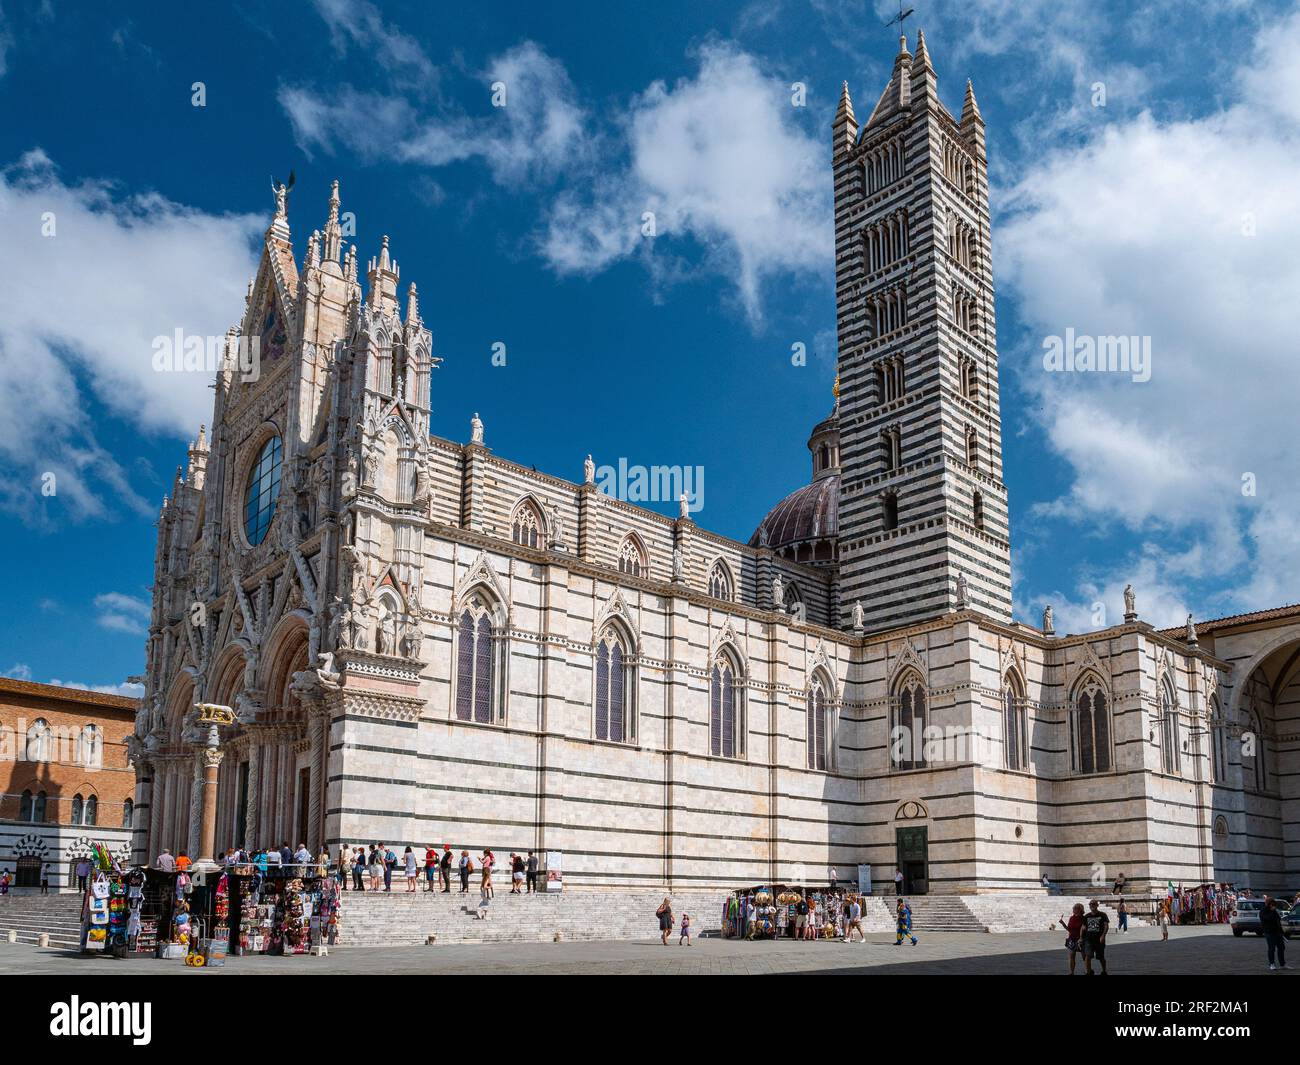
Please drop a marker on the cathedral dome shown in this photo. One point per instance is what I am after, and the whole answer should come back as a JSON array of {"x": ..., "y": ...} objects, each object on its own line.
[
  {"x": 803, "y": 527},
  {"x": 806, "y": 517}
]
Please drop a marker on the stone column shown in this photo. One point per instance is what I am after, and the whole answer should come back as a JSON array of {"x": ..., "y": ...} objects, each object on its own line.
[
  {"x": 318, "y": 730},
  {"x": 211, "y": 763},
  {"x": 142, "y": 814},
  {"x": 252, "y": 834}
]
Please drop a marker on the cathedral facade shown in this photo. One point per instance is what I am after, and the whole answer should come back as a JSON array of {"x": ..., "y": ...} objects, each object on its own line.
[{"x": 424, "y": 642}]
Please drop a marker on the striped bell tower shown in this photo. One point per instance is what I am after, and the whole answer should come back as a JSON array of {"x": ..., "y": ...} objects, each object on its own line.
[{"x": 922, "y": 503}]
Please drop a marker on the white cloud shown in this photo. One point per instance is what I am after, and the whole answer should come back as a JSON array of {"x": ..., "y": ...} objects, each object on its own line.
[
  {"x": 80, "y": 309},
  {"x": 538, "y": 132},
  {"x": 362, "y": 24},
  {"x": 721, "y": 159},
  {"x": 22, "y": 671},
  {"x": 122, "y": 613},
  {"x": 131, "y": 691},
  {"x": 1183, "y": 231}
]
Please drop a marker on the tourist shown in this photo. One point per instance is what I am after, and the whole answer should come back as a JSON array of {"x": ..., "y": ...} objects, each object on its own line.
[
  {"x": 487, "y": 860},
  {"x": 531, "y": 870},
  {"x": 408, "y": 859},
  {"x": 1162, "y": 919},
  {"x": 1096, "y": 924},
  {"x": 302, "y": 858},
  {"x": 665, "y": 915},
  {"x": 165, "y": 862},
  {"x": 898, "y": 882},
  {"x": 835, "y": 880},
  {"x": 45, "y": 879},
  {"x": 359, "y": 869},
  {"x": 853, "y": 922},
  {"x": 444, "y": 869},
  {"x": 800, "y": 917},
  {"x": 903, "y": 924},
  {"x": 811, "y": 924},
  {"x": 517, "y": 874},
  {"x": 83, "y": 871},
  {"x": 260, "y": 862},
  {"x": 389, "y": 859},
  {"x": 323, "y": 862},
  {"x": 271, "y": 859},
  {"x": 183, "y": 862},
  {"x": 686, "y": 930},
  {"x": 1270, "y": 923},
  {"x": 344, "y": 873},
  {"x": 1118, "y": 889},
  {"x": 4, "y": 882},
  {"x": 430, "y": 867},
  {"x": 466, "y": 867},
  {"x": 376, "y": 866},
  {"x": 1073, "y": 933},
  {"x": 1121, "y": 911}
]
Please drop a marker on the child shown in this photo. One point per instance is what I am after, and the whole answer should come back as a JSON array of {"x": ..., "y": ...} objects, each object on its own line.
[{"x": 686, "y": 930}]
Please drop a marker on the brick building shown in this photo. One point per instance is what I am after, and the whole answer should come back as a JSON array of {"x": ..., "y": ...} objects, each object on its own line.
[{"x": 65, "y": 779}]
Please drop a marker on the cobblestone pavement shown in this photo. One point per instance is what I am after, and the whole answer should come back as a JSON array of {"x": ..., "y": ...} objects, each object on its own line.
[{"x": 1192, "y": 951}]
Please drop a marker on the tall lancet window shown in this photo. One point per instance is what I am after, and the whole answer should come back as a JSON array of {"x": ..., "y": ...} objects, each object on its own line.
[
  {"x": 476, "y": 697},
  {"x": 615, "y": 688},
  {"x": 726, "y": 708}
]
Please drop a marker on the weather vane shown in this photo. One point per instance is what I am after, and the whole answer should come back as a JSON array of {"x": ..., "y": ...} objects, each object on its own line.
[{"x": 897, "y": 20}]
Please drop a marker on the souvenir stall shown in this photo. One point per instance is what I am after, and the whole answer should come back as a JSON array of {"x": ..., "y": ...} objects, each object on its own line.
[
  {"x": 280, "y": 915},
  {"x": 768, "y": 912},
  {"x": 111, "y": 907}
]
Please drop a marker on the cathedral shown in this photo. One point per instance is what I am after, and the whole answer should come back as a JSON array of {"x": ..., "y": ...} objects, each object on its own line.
[{"x": 421, "y": 641}]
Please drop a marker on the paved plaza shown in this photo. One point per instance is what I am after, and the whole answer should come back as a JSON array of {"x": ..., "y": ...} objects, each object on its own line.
[{"x": 1191, "y": 951}]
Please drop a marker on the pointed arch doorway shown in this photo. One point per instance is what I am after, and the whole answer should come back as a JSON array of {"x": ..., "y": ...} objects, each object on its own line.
[{"x": 912, "y": 847}]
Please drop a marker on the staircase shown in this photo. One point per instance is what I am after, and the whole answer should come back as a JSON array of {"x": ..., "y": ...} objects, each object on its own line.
[
  {"x": 1039, "y": 912},
  {"x": 375, "y": 918},
  {"x": 30, "y": 915},
  {"x": 940, "y": 913}
]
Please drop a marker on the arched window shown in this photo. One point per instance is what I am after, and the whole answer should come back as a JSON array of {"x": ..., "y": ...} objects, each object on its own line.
[
  {"x": 90, "y": 747},
  {"x": 27, "y": 807},
  {"x": 1090, "y": 729},
  {"x": 977, "y": 510},
  {"x": 631, "y": 559},
  {"x": 726, "y": 708},
  {"x": 819, "y": 725},
  {"x": 972, "y": 448},
  {"x": 526, "y": 525},
  {"x": 889, "y": 511},
  {"x": 128, "y": 812},
  {"x": 91, "y": 811},
  {"x": 907, "y": 734},
  {"x": 78, "y": 809},
  {"x": 615, "y": 688},
  {"x": 720, "y": 586},
  {"x": 261, "y": 491},
  {"x": 1015, "y": 740},
  {"x": 476, "y": 695},
  {"x": 39, "y": 741},
  {"x": 1169, "y": 755},
  {"x": 792, "y": 600},
  {"x": 38, "y": 807}
]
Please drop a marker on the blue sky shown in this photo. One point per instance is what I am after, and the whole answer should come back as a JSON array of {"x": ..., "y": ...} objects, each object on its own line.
[{"x": 1142, "y": 162}]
